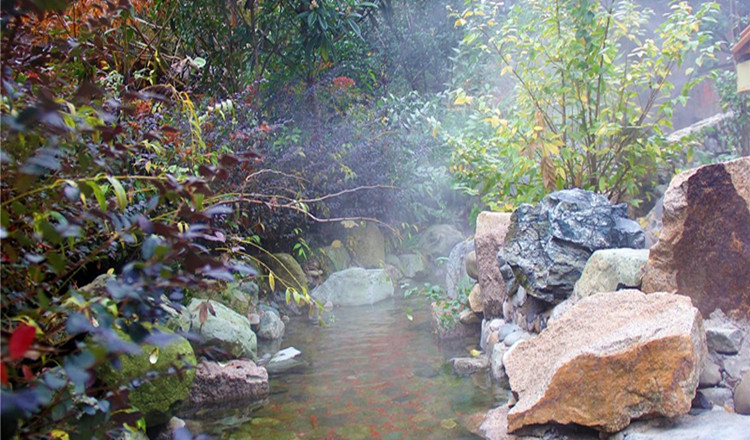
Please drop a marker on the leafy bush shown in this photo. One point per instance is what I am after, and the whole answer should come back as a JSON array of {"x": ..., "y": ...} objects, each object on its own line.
[{"x": 591, "y": 98}]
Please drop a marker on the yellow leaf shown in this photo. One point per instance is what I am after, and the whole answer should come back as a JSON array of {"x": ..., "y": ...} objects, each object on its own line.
[
  {"x": 475, "y": 352},
  {"x": 495, "y": 121},
  {"x": 460, "y": 22},
  {"x": 59, "y": 434},
  {"x": 271, "y": 280},
  {"x": 448, "y": 423},
  {"x": 506, "y": 69},
  {"x": 460, "y": 99}
]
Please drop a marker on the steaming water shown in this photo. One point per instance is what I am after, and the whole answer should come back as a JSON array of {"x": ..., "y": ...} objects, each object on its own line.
[{"x": 372, "y": 374}]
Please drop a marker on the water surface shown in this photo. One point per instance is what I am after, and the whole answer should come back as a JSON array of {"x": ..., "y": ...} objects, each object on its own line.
[{"x": 371, "y": 374}]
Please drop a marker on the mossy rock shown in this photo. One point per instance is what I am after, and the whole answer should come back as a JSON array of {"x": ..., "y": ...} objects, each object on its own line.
[
  {"x": 285, "y": 268},
  {"x": 240, "y": 297},
  {"x": 158, "y": 398}
]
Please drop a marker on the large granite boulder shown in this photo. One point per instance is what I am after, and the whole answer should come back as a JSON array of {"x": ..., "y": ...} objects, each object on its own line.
[
  {"x": 224, "y": 329},
  {"x": 236, "y": 381},
  {"x": 702, "y": 250},
  {"x": 355, "y": 287},
  {"x": 287, "y": 271},
  {"x": 438, "y": 240},
  {"x": 456, "y": 277},
  {"x": 611, "y": 358},
  {"x": 608, "y": 270},
  {"x": 548, "y": 244},
  {"x": 366, "y": 245},
  {"x": 489, "y": 238},
  {"x": 157, "y": 399}
]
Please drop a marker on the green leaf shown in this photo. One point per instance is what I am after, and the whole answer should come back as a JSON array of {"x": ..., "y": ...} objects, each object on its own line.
[
  {"x": 199, "y": 62},
  {"x": 99, "y": 194},
  {"x": 122, "y": 197}
]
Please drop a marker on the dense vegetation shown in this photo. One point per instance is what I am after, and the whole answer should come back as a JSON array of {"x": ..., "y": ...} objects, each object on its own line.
[{"x": 174, "y": 143}]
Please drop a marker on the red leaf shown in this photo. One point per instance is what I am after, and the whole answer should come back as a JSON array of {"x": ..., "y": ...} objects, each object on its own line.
[
  {"x": 27, "y": 372},
  {"x": 20, "y": 341},
  {"x": 3, "y": 375}
]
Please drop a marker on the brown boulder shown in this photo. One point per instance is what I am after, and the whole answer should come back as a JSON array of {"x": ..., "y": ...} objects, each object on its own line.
[
  {"x": 704, "y": 247},
  {"x": 237, "y": 380},
  {"x": 488, "y": 240},
  {"x": 612, "y": 357}
]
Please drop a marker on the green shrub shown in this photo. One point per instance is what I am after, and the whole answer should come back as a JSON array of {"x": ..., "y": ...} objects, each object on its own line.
[{"x": 591, "y": 96}]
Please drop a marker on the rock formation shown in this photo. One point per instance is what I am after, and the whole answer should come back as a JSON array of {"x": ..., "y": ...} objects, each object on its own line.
[{"x": 548, "y": 244}]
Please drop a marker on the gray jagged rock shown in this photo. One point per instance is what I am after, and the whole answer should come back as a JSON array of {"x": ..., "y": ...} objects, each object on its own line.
[{"x": 548, "y": 244}]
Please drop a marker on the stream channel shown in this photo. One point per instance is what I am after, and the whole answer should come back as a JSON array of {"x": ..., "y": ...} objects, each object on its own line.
[{"x": 371, "y": 373}]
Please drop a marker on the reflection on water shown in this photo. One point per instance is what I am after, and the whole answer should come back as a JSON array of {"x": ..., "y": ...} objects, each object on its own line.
[{"x": 371, "y": 374}]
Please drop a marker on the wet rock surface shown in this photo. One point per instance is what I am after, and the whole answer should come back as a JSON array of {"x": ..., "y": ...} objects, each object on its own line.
[
  {"x": 239, "y": 381},
  {"x": 548, "y": 244},
  {"x": 702, "y": 248},
  {"x": 466, "y": 366}
]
